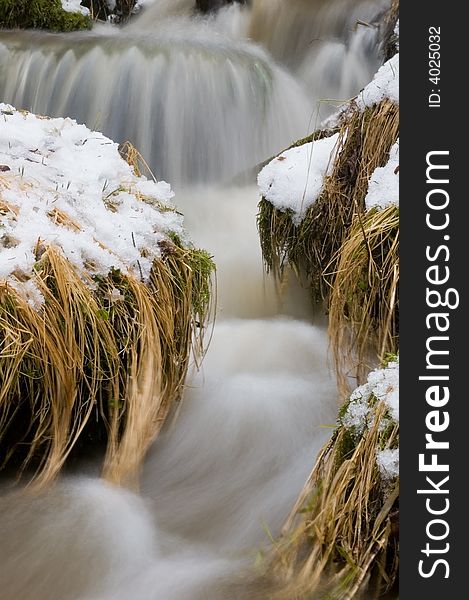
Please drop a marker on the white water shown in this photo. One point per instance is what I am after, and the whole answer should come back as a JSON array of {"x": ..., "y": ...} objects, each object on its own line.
[
  {"x": 223, "y": 477},
  {"x": 198, "y": 105}
]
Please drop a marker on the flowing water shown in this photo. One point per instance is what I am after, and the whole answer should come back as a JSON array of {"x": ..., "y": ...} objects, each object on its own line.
[{"x": 204, "y": 104}]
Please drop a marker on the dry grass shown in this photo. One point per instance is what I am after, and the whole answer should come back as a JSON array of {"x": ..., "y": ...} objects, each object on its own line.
[
  {"x": 347, "y": 257},
  {"x": 103, "y": 361},
  {"x": 341, "y": 540},
  {"x": 364, "y": 298},
  {"x": 133, "y": 157},
  {"x": 342, "y": 537},
  {"x": 311, "y": 248}
]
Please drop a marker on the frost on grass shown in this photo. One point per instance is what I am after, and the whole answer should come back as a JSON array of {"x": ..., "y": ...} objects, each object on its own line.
[
  {"x": 64, "y": 185},
  {"x": 294, "y": 180},
  {"x": 383, "y": 187},
  {"x": 382, "y": 384}
]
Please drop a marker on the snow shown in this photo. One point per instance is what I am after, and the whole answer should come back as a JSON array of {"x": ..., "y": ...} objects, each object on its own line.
[
  {"x": 388, "y": 463},
  {"x": 55, "y": 169},
  {"x": 142, "y": 4},
  {"x": 356, "y": 417},
  {"x": 383, "y": 187},
  {"x": 294, "y": 179},
  {"x": 382, "y": 385},
  {"x": 385, "y": 84},
  {"x": 74, "y": 6}
]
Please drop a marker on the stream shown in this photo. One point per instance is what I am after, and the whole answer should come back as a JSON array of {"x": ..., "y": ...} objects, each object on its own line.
[{"x": 205, "y": 100}]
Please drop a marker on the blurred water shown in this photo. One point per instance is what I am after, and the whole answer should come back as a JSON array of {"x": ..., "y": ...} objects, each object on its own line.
[{"x": 202, "y": 103}]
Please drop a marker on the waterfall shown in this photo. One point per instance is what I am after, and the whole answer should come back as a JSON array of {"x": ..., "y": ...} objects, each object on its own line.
[
  {"x": 198, "y": 106},
  {"x": 204, "y": 99}
]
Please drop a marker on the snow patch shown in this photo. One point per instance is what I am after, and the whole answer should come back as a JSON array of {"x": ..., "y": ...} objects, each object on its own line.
[
  {"x": 74, "y": 6},
  {"x": 139, "y": 4},
  {"x": 63, "y": 184},
  {"x": 385, "y": 84},
  {"x": 383, "y": 187},
  {"x": 383, "y": 384},
  {"x": 388, "y": 463},
  {"x": 294, "y": 180}
]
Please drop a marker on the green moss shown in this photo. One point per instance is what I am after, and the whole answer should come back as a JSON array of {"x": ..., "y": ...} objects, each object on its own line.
[
  {"x": 313, "y": 137},
  {"x": 40, "y": 14},
  {"x": 389, "y": 357},
  {"x": 344, "y": 447},
  {"x": 202, "y": 264}
]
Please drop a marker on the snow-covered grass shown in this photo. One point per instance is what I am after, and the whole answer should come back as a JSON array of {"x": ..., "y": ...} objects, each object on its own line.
[
  {"x": 293, "y": 180},
  {"x": 360, "y": 415},
  {"x": 102, "y": 298},
  {"x": 388, "y": 463},
  {"x": 382, "y": 385},
  {"x": 55, "y": 15},
  {"x": 385, "y": 85},
  {"x": 330, "y": 208},
  {"x": 310, "y": 239},
  {"x": 348, "y": 509},
  {"x": 347, "y": 245},
  {"x": 65, "y": 185},
  {"x": 383, "y": 186}
]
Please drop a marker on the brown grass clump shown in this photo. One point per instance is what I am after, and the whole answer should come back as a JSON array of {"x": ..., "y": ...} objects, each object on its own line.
[
  {"x": 364, "y": 298},
  {"x": 342, "y": 536},
  {"x": 349, "y": 258},
  {"x": 365, "y": 139},
  {"x": 102, "y": 361}
]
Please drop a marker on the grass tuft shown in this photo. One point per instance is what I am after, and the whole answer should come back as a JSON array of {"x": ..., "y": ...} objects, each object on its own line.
[
  {"x": 342, "y": 536},
  {"x": 101, "y": 361},
  {"x": 364, "y": 298},
  {"x": 312, "y": 247}
]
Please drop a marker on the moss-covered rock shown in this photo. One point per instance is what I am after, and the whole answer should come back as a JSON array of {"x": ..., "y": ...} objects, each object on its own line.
[{"x": 40, "y": 14}]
